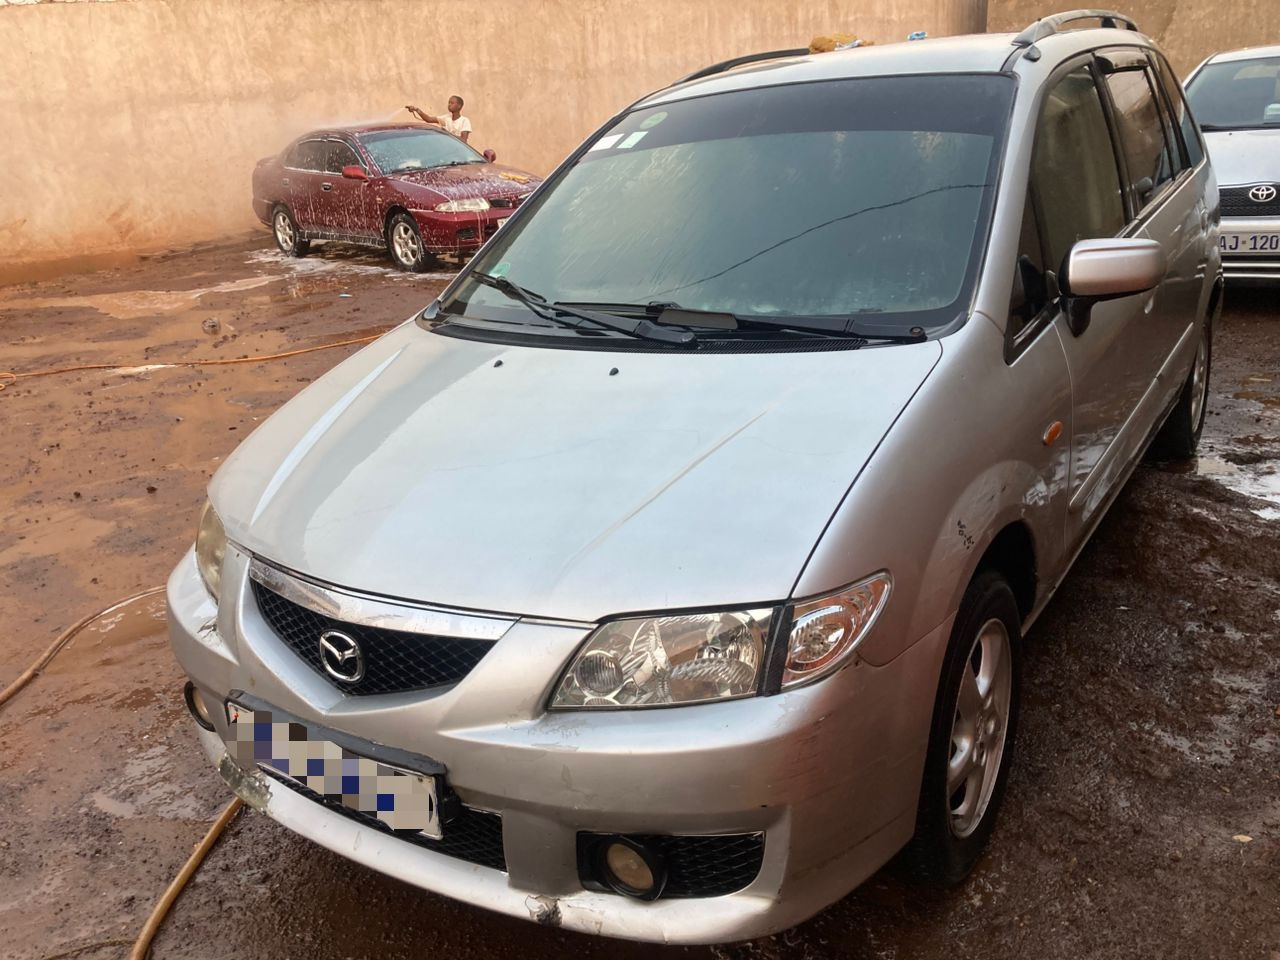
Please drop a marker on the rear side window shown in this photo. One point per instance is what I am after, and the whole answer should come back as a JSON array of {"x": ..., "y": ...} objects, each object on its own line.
[
  {"x": 1181, "y": 112},
  {"x": 1074, "y": 180},
  {"x": 1142, "y": 132},
  {"x": 308, "y": 155}
]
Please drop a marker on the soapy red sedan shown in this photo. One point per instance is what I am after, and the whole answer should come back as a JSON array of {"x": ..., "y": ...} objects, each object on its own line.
[{"x": 416, "y": 190}]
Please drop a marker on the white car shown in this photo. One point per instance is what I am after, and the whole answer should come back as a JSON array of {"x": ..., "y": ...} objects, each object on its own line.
[{"x": 1236, "y": 98}]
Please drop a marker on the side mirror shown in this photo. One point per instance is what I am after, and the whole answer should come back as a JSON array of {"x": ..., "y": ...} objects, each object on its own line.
[
  {"x": 1097, "y": 270},
  {"x": 490, "y": 156},
  {"x": 354, "y": 173}
]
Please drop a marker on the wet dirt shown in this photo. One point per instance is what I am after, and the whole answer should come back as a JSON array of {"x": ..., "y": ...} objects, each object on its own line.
[{"x": 1150, "y": 740}]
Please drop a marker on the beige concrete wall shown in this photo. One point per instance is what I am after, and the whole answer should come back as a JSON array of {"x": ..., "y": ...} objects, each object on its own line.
[
  {"x": 1187, "y": 30},
  {"x": 135, "y": 125}
]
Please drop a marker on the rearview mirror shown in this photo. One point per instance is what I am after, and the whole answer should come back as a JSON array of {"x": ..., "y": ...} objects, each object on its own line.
[
  {"x": 354, "y": 173},
  {"x": 1097, "y": 270}
]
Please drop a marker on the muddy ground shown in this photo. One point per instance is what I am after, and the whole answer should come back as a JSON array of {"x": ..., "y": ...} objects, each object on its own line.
[{"x": 1143, "y": 813}]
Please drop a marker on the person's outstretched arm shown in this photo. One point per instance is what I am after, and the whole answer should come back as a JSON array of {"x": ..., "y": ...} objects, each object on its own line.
[{"x": 424, "y": 117}]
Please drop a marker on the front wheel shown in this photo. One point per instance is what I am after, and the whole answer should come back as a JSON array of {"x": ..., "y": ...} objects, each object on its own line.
[
  {"x": 972, "y": 738},
  {"x": 1180, "y": 435},
  {"x": 404, "y": 243},
  {"x": 288, "y": 236}
]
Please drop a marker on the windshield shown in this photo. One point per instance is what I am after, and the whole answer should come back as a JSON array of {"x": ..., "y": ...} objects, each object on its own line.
[
  {"x": 837, "y": 198},
  {"x": 399, "y": 151},
  {"x": 1240, "y": 95}
]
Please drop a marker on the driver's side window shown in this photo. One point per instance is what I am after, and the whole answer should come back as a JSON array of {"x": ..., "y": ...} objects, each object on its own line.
[
  {"x": 1073, "y": 193},
  {"x": 1074, "y": 177}
]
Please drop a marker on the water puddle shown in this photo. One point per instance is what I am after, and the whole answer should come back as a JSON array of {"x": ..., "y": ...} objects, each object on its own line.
[
  {"x": 342, "y": 261},
  {"x": 1259, "y": 479},
  {"x": 113, "y": 638}
]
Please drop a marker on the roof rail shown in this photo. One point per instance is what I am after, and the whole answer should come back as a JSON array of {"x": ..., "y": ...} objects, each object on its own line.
[
  {"x": 1054, "y": 24},
  {"x": 724, "y": 65}
]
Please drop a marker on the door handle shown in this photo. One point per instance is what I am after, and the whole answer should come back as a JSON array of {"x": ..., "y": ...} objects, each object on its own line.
[{"x": 326, "y": 187}]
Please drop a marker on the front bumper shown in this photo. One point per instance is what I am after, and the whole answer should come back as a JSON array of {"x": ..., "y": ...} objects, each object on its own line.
[
  {"x": 446, "y": 232},
  {"x": 1250, "y": 248},
  {"x": 828, "y": 773}
]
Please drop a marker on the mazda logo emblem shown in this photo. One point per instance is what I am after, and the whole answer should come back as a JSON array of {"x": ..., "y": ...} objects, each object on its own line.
[
  {"x": 1263, "y": 194},
  {"x": 341, "y": 655}
]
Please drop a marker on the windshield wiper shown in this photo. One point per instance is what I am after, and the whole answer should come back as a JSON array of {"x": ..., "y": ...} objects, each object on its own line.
[
  {"x": 459, "y": 163},
  {"x": 845, "y": 326},
  {"x": 556, "y": 313},
  {"x": 837, "y": 327}
]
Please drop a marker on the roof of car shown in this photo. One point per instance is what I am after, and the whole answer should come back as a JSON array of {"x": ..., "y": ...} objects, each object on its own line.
[
  {"x": 372, "y": 127},
  {"x": 1249, "y": 53},
  {"x": 973, "y": 53}
]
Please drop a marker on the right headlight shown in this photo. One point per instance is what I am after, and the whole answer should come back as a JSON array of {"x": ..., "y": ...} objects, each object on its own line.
[
  {"x": 469, "y": 205},
  {"x": 720, "y": 655},
  {"x": 211, "y": 547}
]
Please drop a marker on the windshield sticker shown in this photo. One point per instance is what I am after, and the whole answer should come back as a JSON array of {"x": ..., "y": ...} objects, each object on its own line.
[
  {"x": 632, "y": 140},
  {"x": 604, "y": 143},
  {"x": 501, "y": 269},
  {"x": 651, "y": 122}
]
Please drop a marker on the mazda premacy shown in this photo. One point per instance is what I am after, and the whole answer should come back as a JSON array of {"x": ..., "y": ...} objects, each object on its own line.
[{"x": 669, "y": 573}]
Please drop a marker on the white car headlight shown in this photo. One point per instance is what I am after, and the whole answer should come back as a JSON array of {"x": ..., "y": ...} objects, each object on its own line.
[
  {"x": 659, "y": 661},
  {"x": 472, "y": 205},
  {"x": 702, "y": 657},
  {"x": 211, "y": 547}
]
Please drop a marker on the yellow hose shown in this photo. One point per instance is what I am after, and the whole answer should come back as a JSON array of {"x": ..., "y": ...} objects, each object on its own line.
[
  {"x": 8, "y": 377},
  {"x": 149, "y": 930}
]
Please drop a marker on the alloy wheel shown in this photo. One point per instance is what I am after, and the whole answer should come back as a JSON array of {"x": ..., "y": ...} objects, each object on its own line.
[
  {"x": 1200, "y": 381},
  {"x": 405, "y": 243},
  {"x": 284, "y": 230},
  {"x": 979, "y": 727}
]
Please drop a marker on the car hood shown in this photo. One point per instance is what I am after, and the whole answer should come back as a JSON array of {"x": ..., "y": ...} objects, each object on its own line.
[
  {"x": 471, "y": 180},
  {"x": 563, "y": 483},
  {"x": 1245, "y": 156}
]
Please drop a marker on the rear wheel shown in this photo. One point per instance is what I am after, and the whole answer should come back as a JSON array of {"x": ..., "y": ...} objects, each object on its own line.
[
  {"x": 1180, "y": 435},
  {"x": 288, "y": 236},
  {"x": 972, "y": 738},
  {"x": 404, "y": 243}
]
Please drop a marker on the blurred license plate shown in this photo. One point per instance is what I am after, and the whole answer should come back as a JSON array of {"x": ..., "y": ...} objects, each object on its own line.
[
  {"x": 1250, "y": 242},
  {"x": 500, "y": 223},
  {"x": 403, "y": 800}
]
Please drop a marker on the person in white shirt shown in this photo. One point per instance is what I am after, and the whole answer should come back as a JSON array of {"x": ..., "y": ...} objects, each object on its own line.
[{"x": 453, "y": 121}]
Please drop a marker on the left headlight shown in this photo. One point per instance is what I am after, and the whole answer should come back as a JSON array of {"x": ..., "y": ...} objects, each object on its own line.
[
  {"x": 211, "y": 547},
  {"x": 703, "y": 657},
  {"x": 660, "y": 661},
  {"x": 471, "y": 205}
]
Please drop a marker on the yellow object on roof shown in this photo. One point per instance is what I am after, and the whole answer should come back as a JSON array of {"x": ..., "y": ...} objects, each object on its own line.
[{"x": 837, "y": 41}]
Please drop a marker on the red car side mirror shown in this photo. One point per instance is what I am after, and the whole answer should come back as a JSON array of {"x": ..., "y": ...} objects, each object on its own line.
[
  {"x": 354, "y": 173},
  {"x": 490, "y": 156}
]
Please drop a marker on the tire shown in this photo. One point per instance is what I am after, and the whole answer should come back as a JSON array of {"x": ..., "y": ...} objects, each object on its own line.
[
  {"x": 288, "y": 236},
  {"x": 1180, "y": 435},
  {"x": 404, "y": 244},
  {"x": 954, "y": 824}
]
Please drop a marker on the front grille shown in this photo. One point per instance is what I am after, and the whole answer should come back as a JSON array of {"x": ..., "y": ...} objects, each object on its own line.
[
  {"x": 472, "y": 835},
  {"x": 696, "y": 866},
  {"x": 505, "y": 203},
  {"x": 394, "y": 661},
  {"x": 1236, "y": 202}
]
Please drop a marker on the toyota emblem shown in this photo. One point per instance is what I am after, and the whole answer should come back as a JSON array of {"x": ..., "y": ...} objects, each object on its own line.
[
  {"x": 1263, "y": 194},
  {"x": 341, "y": 655}
]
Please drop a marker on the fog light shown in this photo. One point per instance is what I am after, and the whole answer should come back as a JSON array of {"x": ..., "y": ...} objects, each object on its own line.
[
  {"x": 631, "y": 869},
  {"x": 198, "y": 708}
]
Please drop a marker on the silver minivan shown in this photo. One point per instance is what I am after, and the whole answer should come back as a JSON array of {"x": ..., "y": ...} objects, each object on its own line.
[{"x": 669, "y": 574}]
